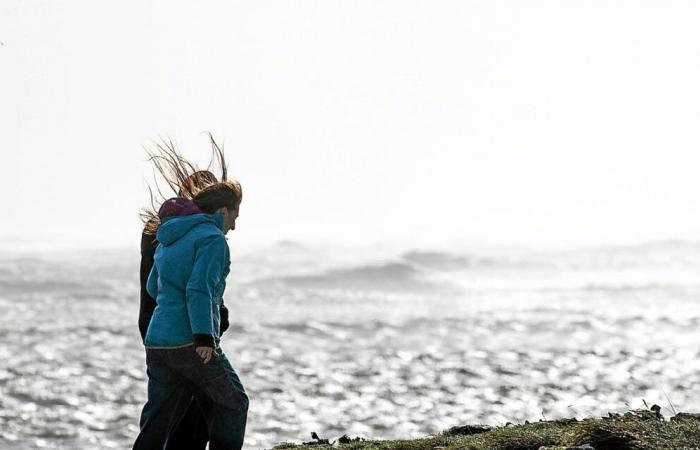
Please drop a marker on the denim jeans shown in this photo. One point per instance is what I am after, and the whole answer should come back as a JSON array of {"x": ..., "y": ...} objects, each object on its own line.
[
  {"x": 177, "y": 374},
  {"x": 189, "y": 432}
]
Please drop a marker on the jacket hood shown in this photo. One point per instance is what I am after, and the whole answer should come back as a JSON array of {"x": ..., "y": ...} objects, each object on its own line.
[
  {"x": 173, "y": 228},
  {"x": 178, "y": 206}
]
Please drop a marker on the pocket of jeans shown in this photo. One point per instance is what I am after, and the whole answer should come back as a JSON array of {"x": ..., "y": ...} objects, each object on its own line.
[{"x": 221, "y": 389}]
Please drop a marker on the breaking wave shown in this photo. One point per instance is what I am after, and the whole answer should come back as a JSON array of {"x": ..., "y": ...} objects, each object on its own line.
[{"x": 386, "y": 277}]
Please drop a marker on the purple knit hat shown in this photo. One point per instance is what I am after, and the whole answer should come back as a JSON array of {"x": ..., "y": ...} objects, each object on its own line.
[{"x": 178, "y": 206}]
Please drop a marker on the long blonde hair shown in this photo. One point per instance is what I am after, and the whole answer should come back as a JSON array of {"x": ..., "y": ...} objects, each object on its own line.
[{"x": 186, "y": 180}]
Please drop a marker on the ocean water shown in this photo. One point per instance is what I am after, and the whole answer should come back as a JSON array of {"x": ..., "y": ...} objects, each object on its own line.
[{"x": 380, "y": 344}]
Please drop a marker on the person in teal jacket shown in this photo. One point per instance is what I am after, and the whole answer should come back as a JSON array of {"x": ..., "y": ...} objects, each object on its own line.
[
  {"x": 183, "y": 356},
  {"x": 193, "y": 257}
]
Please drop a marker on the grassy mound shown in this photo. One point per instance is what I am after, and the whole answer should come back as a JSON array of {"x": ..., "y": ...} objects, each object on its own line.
[{"x": 634, "y": 430}]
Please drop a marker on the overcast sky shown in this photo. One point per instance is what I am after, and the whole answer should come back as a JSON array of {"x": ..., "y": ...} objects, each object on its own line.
[{"x": 486, "y": 122}]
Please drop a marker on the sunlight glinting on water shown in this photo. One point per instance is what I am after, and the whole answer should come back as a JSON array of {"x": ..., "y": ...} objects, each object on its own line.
[{"x": 393, "y": 347}]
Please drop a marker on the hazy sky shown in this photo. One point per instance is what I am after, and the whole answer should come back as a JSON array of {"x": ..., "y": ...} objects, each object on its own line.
[{"x": 538, "y": 122}]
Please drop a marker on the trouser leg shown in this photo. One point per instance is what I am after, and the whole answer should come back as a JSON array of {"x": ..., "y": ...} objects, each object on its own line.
[
  {"x": 190, "y": 431},
  {"x": 224, "y": 403},
  {"x": 227, "y": 427},
  {"x": 166, "y": 389}
]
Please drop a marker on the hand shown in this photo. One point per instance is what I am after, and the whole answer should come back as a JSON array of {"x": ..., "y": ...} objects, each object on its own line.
[{"x": 205, "y": 353}]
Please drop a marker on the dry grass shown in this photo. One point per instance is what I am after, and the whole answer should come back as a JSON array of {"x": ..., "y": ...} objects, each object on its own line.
[{"x": 635, "y": 430}]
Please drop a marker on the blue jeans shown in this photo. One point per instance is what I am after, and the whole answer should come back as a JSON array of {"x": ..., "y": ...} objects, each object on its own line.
[{"x": 177, "y": 374}]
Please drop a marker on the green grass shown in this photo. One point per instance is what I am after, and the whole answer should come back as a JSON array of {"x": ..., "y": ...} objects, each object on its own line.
[{"x": 635, "y": 430}]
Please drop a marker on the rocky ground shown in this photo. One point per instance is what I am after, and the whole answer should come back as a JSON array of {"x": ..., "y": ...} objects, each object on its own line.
[{"x": 634, "y": 430}]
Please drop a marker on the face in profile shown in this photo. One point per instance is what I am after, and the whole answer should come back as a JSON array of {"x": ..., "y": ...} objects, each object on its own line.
[{"x": 230, "y": 216}]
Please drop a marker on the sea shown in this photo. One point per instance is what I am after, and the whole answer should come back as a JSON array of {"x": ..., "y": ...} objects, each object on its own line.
[{"x": 373, "y": 342}]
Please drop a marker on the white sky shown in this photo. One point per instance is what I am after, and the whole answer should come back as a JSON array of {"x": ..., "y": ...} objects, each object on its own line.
[{"x": 538, "y": 122}]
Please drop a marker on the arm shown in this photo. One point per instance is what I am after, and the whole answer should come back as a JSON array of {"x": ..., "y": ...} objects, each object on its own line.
[
  {"x": 152, "y": 284},
  {"x": 148, "y": 303},
  {"x": 210, "y": 257},
  {"x": 223, "y": 313}
]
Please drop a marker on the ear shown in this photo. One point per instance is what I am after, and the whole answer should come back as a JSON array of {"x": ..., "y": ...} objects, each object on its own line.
[{"x": 222, "y": 210}]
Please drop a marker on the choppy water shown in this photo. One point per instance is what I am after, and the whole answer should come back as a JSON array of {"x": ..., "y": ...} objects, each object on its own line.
[{"x": 337, "y": 341}]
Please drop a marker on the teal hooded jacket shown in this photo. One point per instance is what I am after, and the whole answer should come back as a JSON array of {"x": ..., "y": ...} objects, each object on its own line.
[{"x": 187, "y": 280}]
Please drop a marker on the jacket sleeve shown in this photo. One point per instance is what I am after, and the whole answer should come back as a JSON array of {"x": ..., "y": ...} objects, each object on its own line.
[
  {"x": 223, "y": 314},
  {"x": 209, "y": 262},
  {"x": 152, "y": 284},
  {"x": 148, "y": 303}
]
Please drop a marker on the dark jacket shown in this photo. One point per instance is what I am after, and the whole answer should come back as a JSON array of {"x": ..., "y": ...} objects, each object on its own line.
[{"x": 148, "y": 304}]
